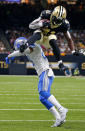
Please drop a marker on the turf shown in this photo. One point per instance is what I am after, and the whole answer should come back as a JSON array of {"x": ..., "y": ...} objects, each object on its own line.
[{"x": 21, "y": 110}]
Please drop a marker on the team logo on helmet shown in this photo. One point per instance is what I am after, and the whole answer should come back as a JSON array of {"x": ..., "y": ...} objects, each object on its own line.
[
  {"x": 57, "y": 16},
  {"x": 19, "y": 41}
]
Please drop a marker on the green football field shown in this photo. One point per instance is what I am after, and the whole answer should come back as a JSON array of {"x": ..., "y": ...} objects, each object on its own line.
[{"x": 21, "y": 110}]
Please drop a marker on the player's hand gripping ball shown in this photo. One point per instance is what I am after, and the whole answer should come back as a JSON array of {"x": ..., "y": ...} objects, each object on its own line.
[{"x": 46, "y": 22}]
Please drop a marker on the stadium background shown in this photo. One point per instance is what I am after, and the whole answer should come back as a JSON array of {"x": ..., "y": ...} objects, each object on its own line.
[{"x": 15, "y": 16}]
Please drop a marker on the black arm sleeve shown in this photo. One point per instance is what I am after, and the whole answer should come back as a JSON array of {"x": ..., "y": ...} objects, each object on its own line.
[
  {"x": 32, "y": 39},
  {"x": 66, "y": 26}
]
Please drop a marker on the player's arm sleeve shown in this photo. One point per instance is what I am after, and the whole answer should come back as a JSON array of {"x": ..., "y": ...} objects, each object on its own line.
[
  {"x": 68, "y": 35},
  {"x": 36, "y": 24},
  {"x": 66, "y": 26},
  {"x": 70, "y": 41},
  {"x": 36, "y": 36},
  {"x": 18, "y": 53},
  {"x": 15, "y": 54}
]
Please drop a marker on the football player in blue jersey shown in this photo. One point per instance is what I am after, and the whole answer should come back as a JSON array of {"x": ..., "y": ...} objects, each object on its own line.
[
  {"x": 35, "y": 54},
  {"x": 46, "y": 28}
]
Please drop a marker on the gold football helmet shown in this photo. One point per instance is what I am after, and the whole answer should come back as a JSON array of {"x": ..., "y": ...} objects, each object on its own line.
[{"x": 57, "y": 16}]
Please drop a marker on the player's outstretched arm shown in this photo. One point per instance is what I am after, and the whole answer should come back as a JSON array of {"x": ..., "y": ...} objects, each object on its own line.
[
  {"x": 21, "y": 52},
  {"x": 15, "y": 54},
  {"x": 71, "y": 44},
  {"x": 36, "y": 24},
  {"x": 70, "y": 41},
  {"x": 12, "y": 56}
]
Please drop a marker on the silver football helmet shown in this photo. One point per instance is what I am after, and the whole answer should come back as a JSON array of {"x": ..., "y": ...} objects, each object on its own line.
[{"x": 19, "y": 41}]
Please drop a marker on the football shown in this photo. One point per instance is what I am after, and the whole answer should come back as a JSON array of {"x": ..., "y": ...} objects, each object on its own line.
[{"x": 45, "y": 20}]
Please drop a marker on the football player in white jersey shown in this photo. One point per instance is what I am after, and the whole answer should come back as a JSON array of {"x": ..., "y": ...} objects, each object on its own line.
[{"x": 46, "y": 76}]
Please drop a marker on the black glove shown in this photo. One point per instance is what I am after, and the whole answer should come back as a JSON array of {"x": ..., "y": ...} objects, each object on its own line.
[
  {"x": 46, "y": 24},
  {"x": 23, "y": 47}
]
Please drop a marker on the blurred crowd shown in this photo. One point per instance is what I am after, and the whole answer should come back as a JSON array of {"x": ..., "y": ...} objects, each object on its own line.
[
  {"x": 12, "y": 35},
  {"x": 2, "y": 48},
  {"x": 78, "y": 37},
  {"x": 15, "y": 19}
]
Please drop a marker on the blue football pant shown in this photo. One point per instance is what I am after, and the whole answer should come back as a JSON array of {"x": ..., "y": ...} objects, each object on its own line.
[{"x": 44, "y": 87}]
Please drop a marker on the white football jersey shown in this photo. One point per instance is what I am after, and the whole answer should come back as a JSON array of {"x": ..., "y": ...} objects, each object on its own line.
[{"x": 38, "y": 59}]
